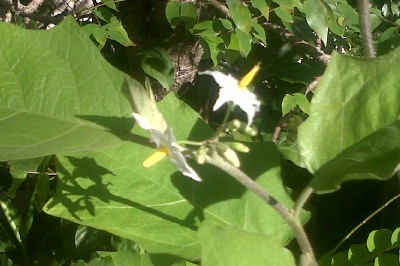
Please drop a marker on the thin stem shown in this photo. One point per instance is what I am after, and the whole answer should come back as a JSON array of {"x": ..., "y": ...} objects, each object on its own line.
[
  {"x": 364, "y": 222},
  {"x": 191, "y": 143},
  {"x": 284, "y": 212},
  {"x": 228, "y": 112},
  {"x": 301, "y": 200}
]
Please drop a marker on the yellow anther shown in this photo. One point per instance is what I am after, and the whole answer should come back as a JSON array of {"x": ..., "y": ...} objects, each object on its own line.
[
  {"x": 157, "y": 156},
  {"x": 248, "y": 78}
]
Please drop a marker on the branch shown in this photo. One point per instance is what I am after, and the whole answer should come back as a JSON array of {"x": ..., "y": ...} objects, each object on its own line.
[
  {"x": 31, "y": 8},
  {"x": 284, "y": 212},
  {"x": 220, "y": 7},
  {"x": 365, "y": 22}
]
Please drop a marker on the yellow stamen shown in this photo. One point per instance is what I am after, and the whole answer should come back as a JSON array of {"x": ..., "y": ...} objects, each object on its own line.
[
  {"x": 157, "y": 156},
  {"x": 248, "y": 78}
]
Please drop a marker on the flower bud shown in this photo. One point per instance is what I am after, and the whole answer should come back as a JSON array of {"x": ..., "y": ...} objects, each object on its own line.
[
  {"x": 251, "y": 131},
  {"x": 238, "y": 146},
  {"x": 231, "y": 157}
]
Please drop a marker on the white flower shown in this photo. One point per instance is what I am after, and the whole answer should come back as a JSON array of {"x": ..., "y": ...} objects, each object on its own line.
[
  {"x": 232, "y": 90},
  {"x": 166, "y": 146}
]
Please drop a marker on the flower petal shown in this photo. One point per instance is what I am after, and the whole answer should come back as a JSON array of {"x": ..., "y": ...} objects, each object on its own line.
[
  {"x": 142, "y": 121},
  {"x": 222, "y": 79}
]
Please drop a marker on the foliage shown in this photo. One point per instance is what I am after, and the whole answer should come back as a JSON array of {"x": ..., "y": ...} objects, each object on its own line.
[
  {"x": 381, "y": 248},
  {"x": 72, "y": 149}
]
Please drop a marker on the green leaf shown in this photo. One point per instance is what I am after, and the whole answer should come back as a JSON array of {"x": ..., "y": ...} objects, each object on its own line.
[
  {"x": 41, "y": 192},
  {"x": 379, "y": 240},
  {"x": 317, "y": 17},
  {"x": 226, "y": 23},
  {"x": 240, "y": 15},
  {"x": 117, "y": 33},
  {"x": 262, "y": 6},
  {"x": 172, "y": 13},
  {"x": 288, "y": 103},
  {"x": 188, "y": 14},
  {"x": 100, "y": 35},
  {"x": 259, "y": 32},
  {"x": 49, "y": 109},
  {"x": 19, "y": 170},
  {"x": 284, "y": 14},
  {"x": 244, "y": 40},
  {"x": 158, "y": 207},
  {"x": 103, "y": 13},
  {"x": 375, "y": 157},
  {"x": 347, "y": 106},
  {"x": 110, "y": 4},
  {"x": 126, "y": 257},
  {"x": 292, "y": 153},
  {"x": 302, "y": 102},
  {"x": 157, "y": 63},
  {"x": 232, "y": 246}
]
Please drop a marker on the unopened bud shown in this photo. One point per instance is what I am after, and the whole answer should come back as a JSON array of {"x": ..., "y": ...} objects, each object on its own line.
[
  {"x": 240, "y": 147},
  {"x": 200, "y": 158},
  {"x": 231, "y": 157},
  {"x": 251, "y": 131},
  {"x": 236, "y": 124}
]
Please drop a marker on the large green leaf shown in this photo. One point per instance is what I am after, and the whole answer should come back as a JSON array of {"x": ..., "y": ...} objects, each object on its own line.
[
  {"x": 231, "y": 246},
  {"x": 49, "y": 81},
  {"x": 158, "y": 207},
  {"x": 354, "y": 98},
  {"x": 375, "y": 157}
]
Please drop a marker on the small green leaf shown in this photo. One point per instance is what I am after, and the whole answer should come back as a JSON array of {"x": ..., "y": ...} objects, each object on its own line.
[
  {"x": 262, "y": 6},
  {"x": 110, "y": 4},
  {"x": 117, "y": 32},
  {"x": 226, "y": 23},
  {"x": 240, "y": 14},
  {"x": 288, "y": 103},
  {"x": 103, "y": 13},
  {"x": 41, "y": 191},
  {"x": 395, "y": 239},
  {"x": 317, "y": 17},
  {"x": 172, "y": 13},
  {"x": 157, "y": 63},
  {"x": 259, "y": 32},
  {"x": 188, "y": 14},
  {"x": 284, "y": 14},
  {"x": 100, "y": 35},
  {"x": 233, "y": 42},
  {"x": 302, "y": 102},
  {"x": 244, "y": 42},
  {"x": 379, "y": 240},
  {"x": 19, "y": 170}
]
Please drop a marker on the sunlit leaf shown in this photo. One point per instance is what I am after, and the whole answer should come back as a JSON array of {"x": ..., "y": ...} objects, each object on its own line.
[
  {"x": 218, "y": 244},
  {"x": 240, "y": 15},
  {"x": 51, "y": 109}
]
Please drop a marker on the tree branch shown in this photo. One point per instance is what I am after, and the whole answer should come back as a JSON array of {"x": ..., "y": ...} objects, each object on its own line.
[{"x": 365, "y": 22}]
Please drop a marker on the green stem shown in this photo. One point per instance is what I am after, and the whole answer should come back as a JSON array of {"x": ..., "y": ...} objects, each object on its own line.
[
  {"x": 301, "y": 200},
  {"x": 364, "y": 222},
  {"x": 221, "y": 128},
  {"x": 284, "y": 212}
]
